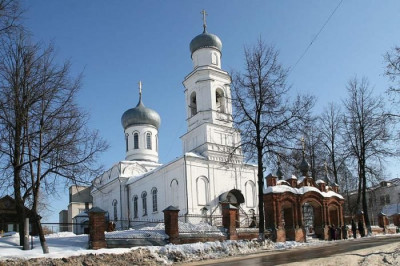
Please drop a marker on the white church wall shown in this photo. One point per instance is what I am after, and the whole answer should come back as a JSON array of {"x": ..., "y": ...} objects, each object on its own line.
[
  {"x": 169, "y": 182},
  {"x": 103, "y": 197},
  {"x": 218, "y": 178}
]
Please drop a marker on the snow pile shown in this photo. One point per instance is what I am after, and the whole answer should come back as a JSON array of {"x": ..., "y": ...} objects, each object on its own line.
[
  {"x": 133, "y": 233},
  {"x": 67, "y": 246},
  {"x": 200, "y": 228},
  {"x": 157, "y": 231},
  {"x": 208, "y": 250}
]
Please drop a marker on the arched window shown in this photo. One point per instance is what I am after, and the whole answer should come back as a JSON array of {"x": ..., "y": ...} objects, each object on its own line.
[
  {"x": 144, "y": 202},
  {"x": 175, "y": 193},
  {"x": 214, "y": 59},
  {"x": 148, "y": 140},
  {"x": 154, "y": 197},
  {"x": 220, "y": 100},
  {"x": 126, "y": 142},
  {"x": 136, "y": 141},
  {"x": 202, "y": 191},
  {"x": 156, "y": 137},
  {"x": 250, "y": 189},
  {"x": 135, "y": 206},
  {"x": 115, "y": 205},
  {"x": 193, "y": 104}
]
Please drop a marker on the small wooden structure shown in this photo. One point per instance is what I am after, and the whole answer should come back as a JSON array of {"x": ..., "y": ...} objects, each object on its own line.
[{"x": 9, "y": 220}]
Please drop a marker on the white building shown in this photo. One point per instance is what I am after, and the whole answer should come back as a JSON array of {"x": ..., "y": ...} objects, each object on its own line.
[
  {"x": 211, "y": 169},
  {"x": 80, "y": 201}
]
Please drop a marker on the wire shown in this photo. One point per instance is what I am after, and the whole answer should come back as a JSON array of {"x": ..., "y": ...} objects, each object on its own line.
[{"x": 315, "y": 37}]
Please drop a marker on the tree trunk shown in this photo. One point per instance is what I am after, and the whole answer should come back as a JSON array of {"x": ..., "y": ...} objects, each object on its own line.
[
  {"x": 42, "y": 239},
  {"x": 359, "y": 188},
  {"x": 260, "y": 178},
  {"x": 364, "y": 202}
]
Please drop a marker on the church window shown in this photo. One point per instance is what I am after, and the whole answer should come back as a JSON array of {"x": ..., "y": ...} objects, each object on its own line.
[
  {"x": 148, "y": 140},
  {"x": 387, "y": 197},
  {"x": 136, "y": 141},
  {"x": 193, "y": 104},
  {"x": 250, "y": 188},
  {"x": 135, "y": 207},
  {"x": 154, "y": 197},
  {"x": 144, "y": 202},
  {"x": 115, "y": 206},
  {"x": 214, "y": 59},
  {"x": 202, "y": 191},
  {"x": 126, "y": 142},
  {"x": 219, "y": 100},
  {"x": 175, "y": 193},
  {"x": 156, "y": 137},
  {"x": 382, "y": 200}
]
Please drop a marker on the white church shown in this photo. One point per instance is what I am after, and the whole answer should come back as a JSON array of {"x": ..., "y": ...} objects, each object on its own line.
[{"x": 211, "y": 170}]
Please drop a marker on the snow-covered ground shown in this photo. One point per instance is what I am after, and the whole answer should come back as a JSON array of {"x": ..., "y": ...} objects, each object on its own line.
[{"x": 66, "y": 244}]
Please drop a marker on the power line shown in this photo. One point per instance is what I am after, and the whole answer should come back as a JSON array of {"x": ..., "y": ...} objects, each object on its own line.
[{"x": 315, "y": 37}]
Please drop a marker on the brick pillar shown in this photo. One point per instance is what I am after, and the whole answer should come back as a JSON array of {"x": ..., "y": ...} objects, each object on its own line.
[
  {"x": 171, "y": 223},
  {"x": 396, "y": 219},
  {"x": 97, "y": 226},
  {"x": 382, "y": 220},
  {"x": 229, "y": 213},
  {"x": 360, "y": 218}
]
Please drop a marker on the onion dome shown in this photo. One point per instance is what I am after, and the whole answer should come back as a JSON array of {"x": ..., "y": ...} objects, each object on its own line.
[
  {"x": 205, "y": 40},
  {"x": 140, "y": 115},
  {"x": 304, "y": 167},
  {"x": 279, "y": 173}
]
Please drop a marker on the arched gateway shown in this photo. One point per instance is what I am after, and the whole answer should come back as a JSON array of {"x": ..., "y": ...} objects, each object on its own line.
[{"x": 297, "y": 207}]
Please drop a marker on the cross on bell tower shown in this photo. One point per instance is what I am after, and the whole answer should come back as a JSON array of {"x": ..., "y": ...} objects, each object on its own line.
[{"x": 204, "y": 13}]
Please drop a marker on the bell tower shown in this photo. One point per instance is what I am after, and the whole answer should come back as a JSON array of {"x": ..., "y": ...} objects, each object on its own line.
[{"x": 208, "y": 101}]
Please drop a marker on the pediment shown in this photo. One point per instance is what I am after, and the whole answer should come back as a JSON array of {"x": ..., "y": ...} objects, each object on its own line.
[{"x": 132, "y": 170}]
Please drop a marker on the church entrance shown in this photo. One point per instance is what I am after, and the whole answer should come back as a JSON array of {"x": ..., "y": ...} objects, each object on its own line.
[
  {"x": 235, "y": 198},
  {"x": 288, "y": 219},
  {"x": 312, "y": 218}
]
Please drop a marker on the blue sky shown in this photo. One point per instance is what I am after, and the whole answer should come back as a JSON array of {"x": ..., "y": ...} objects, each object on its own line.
[{"x": 117, "y": 43}]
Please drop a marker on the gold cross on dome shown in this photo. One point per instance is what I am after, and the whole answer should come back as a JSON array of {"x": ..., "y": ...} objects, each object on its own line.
[
  {"x": 204, "y": 19},
  {"x": 140, "y": 89}
]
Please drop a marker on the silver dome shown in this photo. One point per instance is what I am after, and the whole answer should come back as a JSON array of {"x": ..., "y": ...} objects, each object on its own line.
[
  {"x": 205, "y": 40},
  {"x": 140, "y": 115}
]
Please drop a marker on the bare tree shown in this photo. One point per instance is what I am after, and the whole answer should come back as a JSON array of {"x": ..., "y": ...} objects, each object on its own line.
[
  {"x": 392, "y": 70},
  {"x": 392, "y": 60},
  {"x": 331, "y": 129},
  {"x": 367, "y": 132},
  {"x": 314, "y": 153},
  {"x": 10, "y": 13},
  {"x": 264, "y": 112},
  {"x": 45, "y": 137}
]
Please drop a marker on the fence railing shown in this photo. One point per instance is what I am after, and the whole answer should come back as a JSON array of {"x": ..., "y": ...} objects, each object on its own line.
[{"x": 51, "y": 228}]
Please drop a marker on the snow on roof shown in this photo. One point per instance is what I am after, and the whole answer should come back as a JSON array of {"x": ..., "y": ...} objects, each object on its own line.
[
  {"x": 283, "y": 182},
  {"x": 301, "y": 179},
  {"x": 391, "y": 209},
  {"x": 300, "y": 191},
  {"x": 82, "y": 214},
  {"x": 289, "y": 177},
  {"x": 193, "y": 154},
  {"x": 320, "y": 181}
]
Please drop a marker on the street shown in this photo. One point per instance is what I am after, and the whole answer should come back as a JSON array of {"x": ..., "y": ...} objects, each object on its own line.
[{"x": 306, "y": 253}]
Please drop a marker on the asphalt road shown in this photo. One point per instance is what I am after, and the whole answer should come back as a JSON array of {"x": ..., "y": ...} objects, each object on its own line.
[{"x": 307, "y": 253}]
